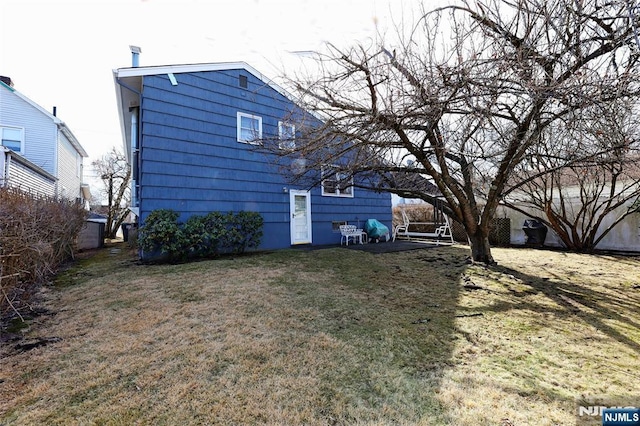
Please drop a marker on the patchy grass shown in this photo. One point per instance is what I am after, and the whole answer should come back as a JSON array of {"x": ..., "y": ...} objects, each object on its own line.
[{"x": 333, "y": 336}]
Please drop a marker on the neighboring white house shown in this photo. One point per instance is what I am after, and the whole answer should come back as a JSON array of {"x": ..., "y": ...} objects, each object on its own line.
[
  {"x": 18, "y": 172},
  {"x": 41, "y": 148}
]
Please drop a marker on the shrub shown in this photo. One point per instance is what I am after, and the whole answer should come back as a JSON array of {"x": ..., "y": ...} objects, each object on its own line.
[
  {"x": 244, "y": 230},
  {"x": 162, "y": 233},
  {"x": 422, "y": 212},
  {"x": 215, "y": 229},
  {"x": 163, "y": 237}
]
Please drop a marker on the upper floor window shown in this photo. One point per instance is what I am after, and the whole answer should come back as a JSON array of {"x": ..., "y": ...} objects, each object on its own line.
[
  {"x": 249, "y": 128},
  {"x": 287, "y": 135},
  {"x": 12, "y": 138},
  {"x": 336, "y": 183}
]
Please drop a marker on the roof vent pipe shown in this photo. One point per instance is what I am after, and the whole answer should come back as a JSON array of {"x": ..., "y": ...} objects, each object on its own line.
[
  {"x": 55, "y": 111},
  {"x": 6, "y": 80},
  {"x": 135, "y": 56}
]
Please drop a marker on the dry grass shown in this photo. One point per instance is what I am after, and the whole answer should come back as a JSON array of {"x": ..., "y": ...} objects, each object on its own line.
[{"x": 333, "y": 336}]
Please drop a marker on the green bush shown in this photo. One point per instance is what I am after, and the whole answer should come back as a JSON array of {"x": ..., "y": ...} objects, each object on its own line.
[
  {"x": 214, "y": 225},
  {"x": 244, "y": 230},
  {"x": 163, "y": 238},
  {"x": 162, "y": 233}
]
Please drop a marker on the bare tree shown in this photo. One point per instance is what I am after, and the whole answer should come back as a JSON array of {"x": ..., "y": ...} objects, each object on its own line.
[
  {"x": 583, "y": 200},
  {"x": 462, "y": 98},
  {"x": 115, "y": 173}
]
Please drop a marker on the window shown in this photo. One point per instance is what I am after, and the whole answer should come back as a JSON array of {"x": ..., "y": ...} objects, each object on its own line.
[
  {"x": 12, "y": 138},
  {"x": 287, "y": 135},
  {"x": 335, "y": 225},
  {"x": 336, "y": 183},
  {"x": 243, "y": 81},
  {"x": 249, "y": 128}
]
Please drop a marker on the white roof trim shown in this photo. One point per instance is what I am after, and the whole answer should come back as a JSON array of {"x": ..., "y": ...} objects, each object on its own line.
[
  {"x": 71, "y": 137},
  {"x": 177, "y": 69}
]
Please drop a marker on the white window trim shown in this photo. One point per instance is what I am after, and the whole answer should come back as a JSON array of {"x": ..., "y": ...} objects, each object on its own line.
[
  {"x": 254, "y": 141},
  {"x": 285, "y": 143},
  {"x": 21, "y": 129},
  {"x": 338, "y": 193}
]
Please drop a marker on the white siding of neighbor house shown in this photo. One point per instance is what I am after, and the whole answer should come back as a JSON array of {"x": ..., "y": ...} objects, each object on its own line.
[
  {"x": 40, "y": 132},
  {"x": 27, "y": 179},
  {"x": 69, "y": 169}
]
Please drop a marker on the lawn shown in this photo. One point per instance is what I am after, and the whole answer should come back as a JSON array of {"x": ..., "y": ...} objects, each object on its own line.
[{"x": 329, "y": 337}]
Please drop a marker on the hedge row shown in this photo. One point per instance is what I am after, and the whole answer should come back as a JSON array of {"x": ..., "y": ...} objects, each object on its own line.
[
  {"x": 37, "y": 234},
  {"x": 164, "y": 238}
]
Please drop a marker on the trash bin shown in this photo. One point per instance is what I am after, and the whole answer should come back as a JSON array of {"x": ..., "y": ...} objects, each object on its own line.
[
  {"x": 125, "y": 231},
  {"x": 535, "y": 231}
]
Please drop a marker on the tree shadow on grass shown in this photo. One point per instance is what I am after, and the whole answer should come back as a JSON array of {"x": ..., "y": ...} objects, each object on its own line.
[
  {"x": 594, "y": 307},
  {"x": 553, "y": 337}
]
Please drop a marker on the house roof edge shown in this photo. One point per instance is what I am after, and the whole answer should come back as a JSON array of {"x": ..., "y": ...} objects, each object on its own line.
[{"x": 201, "y": 67}]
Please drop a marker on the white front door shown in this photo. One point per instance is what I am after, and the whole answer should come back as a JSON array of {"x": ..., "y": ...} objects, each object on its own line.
[{"x": 300, "y": 206}]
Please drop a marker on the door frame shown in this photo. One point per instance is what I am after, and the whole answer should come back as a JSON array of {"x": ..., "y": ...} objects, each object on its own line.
[{"x": 292, "y": 209}]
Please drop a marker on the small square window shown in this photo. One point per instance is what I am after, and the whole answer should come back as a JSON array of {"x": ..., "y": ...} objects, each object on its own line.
[
  {"x": 249, "y": 128},
  {"x": 287, "y": 135},
  {"x": 335, "y": 225},
  {"x": 243, "y": 81}
]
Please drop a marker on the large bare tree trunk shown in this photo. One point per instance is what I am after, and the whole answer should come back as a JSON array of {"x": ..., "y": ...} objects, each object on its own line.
[{"x": 480, "y": 247}]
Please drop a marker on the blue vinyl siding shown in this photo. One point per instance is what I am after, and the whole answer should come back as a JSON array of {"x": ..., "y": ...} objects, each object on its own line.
[{"x": 192, "y": 163}]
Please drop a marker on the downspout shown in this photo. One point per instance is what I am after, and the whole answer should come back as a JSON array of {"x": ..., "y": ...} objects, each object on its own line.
[
  {"x": 133, "y": 154},
  {"x": 7, "y": 168},
  {"x": 134, "y": 157},
  {"x": 3, "y": 170},
  {"x": 56, "y": 166}
]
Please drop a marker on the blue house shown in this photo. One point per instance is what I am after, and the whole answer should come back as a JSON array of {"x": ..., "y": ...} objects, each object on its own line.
[{"x": 189, "y": 133}]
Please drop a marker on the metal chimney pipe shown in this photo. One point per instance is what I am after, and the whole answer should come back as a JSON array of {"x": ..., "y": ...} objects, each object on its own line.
[
  {"x": 55, "y": 111},
  {"x": 135, "y": 56}
]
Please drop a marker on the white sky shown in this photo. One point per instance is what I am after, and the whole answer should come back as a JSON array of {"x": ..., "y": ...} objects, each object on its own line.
[{"x": 62, "y": 53}]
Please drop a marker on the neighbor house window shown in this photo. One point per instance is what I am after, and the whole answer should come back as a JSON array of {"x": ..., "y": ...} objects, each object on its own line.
[
  {"x": 249, "y": 128},
  {"x": 12, "y": 138},
  {"x": 287, "y": 135},
  {"x": 336, "y": 183}
]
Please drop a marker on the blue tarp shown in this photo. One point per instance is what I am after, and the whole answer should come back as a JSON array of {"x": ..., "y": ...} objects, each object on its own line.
[{"x": 375, "y": 229}]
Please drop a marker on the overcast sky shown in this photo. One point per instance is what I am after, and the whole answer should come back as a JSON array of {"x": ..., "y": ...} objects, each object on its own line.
[{"x": 62, "y": 53}]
